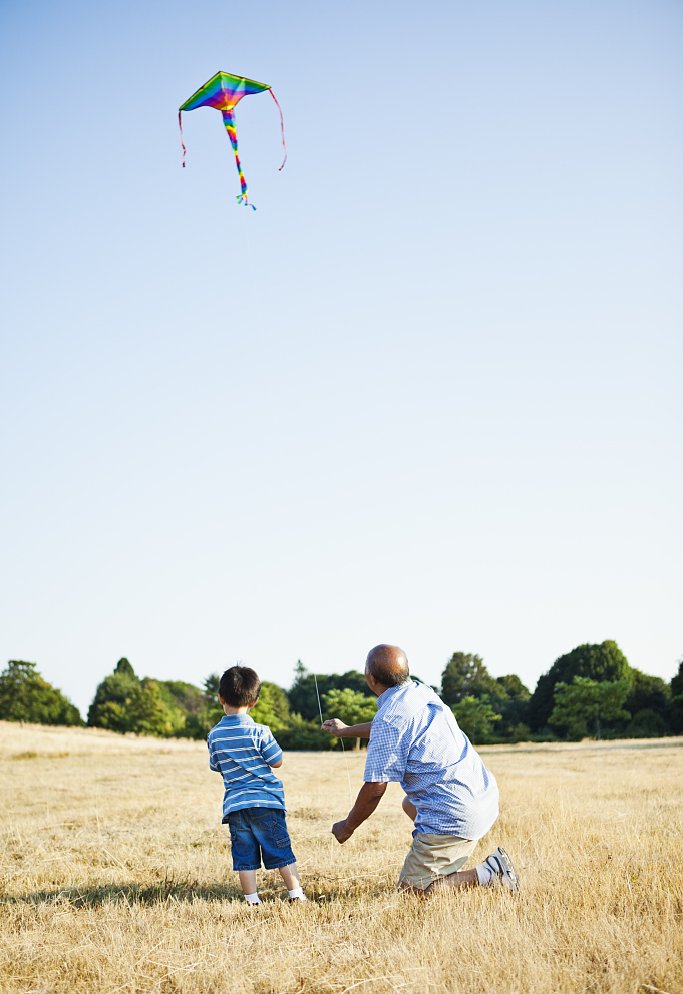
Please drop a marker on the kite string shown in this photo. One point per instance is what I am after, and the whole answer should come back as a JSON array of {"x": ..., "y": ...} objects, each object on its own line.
[
  {"x": 284, "y": 143},
  {"x": 180, "y": 125},
  {"x": 346, "y": 759}
]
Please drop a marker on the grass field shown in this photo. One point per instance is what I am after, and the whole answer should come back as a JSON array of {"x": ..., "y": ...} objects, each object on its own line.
[{"x": 115, "y": 877}]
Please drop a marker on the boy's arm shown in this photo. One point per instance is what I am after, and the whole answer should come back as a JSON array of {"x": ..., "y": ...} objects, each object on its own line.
[
  {"x": 213, "y": 765},
  {"x": 335, "y": 726},
  {"x": 271, "y": 751}
]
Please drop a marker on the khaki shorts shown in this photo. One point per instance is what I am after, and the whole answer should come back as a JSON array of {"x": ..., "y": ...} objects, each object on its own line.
[{"x": 432, "y": 856}]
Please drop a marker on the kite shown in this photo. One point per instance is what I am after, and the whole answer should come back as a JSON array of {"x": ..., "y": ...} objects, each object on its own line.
[{"x": 224, "y": 91}]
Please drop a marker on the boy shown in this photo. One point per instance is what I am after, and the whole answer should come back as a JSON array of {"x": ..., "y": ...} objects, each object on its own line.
[{"x": 254, "y": 801}]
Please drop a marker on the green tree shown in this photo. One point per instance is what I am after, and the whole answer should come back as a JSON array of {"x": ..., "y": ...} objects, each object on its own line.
[
  {"x": 648, "y": 693},
  {"x": 211, "y": 684},
  {"x": 151, "y": 713},
  {"x": 677, "y": 680},
  {"x": 603, "y": 661},
  {"x": 353, "y": 708},
  {"x": 476, "y": 717},
  {"x": 124, "y": 703},
  {"x": 272, "y": 708},
  {"x": 26, "y": 696},
  {"x": 513, "y": 708},
  {"x": 647, "y": 724},
  {"x": 303, "y": 695},
  {"x": 585, "y": 703},
  {"x": 676, "y": 706},
  {"x": 115, "y": 699},
  {"x": 186, "y": 709},
  {"x": 466, "y": 675}
]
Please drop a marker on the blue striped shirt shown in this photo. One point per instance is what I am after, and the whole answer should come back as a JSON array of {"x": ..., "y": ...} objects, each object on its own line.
[
  {"x": 416, "y": 741},
  {"x": 242, "y": 752}
]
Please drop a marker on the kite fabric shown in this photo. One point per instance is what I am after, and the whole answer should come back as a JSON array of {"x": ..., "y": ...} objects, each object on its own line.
[{"x": 224, "y": 91}]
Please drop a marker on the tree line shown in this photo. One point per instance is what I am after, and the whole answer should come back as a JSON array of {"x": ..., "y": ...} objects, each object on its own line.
[{"x": 590, "y": 691}]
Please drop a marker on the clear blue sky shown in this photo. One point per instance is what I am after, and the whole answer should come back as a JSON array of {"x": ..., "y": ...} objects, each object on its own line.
[{"x": 428, "y": 393}]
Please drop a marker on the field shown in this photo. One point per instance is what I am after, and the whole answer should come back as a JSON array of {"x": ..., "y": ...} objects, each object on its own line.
[{"x": 115, "y": 877}]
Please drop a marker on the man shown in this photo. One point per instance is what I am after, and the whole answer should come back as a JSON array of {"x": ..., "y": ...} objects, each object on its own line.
[{"x": 450, "y": 795}]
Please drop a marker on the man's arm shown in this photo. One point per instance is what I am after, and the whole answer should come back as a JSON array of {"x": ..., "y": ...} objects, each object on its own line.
[
  {"x": 368, "y": 798},
  {"x": 335, "y": 726}
]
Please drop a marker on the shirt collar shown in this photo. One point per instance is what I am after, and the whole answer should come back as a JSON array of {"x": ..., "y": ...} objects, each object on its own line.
[{"x": 386, "y": 695}]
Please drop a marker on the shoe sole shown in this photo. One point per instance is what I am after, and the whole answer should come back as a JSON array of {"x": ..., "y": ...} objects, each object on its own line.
[{"x": 508, "y": 868}]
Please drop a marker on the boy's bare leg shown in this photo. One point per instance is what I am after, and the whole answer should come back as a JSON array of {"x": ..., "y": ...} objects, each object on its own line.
[
  {"x": 248, "y": 884},
  {"x": 409, "y": 808},
  {"x": 290, "y": 876}
]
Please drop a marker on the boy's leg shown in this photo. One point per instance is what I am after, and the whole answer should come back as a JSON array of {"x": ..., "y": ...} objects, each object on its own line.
[
  {"x": 273, "y": 837},
  {"x": 409, "y": 808},
  {"x": 246, "y": 853},
  {"x": 290, "y": 876},
  {"x": 248, "y": 885}
]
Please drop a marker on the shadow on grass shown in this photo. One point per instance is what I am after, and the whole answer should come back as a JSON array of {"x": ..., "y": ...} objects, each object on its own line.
[
  {"x": 159, "y": 893},
  {"x": 187, "y": 893}
]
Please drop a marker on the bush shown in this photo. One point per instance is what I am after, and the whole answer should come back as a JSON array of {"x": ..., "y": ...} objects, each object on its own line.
[
  {"x": 305, "y": 736},
  {"x": 646, "y": 724}
]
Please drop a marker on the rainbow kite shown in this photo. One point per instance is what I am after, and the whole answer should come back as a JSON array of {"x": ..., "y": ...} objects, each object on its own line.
[{"x": 224, "y": 91}]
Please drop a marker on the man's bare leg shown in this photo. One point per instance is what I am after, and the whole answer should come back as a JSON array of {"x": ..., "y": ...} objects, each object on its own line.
[{"x": 458, "y": 880}]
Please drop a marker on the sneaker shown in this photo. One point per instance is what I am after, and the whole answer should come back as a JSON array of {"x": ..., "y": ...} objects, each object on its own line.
[
  {"x": 504, "y": 871},
  {"x": 298, "y": 900}
]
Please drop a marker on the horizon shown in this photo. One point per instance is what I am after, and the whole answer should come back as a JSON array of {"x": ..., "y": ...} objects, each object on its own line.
[{"x": 198, "y": 681}]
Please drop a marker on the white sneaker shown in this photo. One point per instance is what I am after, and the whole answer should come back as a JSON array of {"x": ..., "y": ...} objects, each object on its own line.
[{"x": 501, "y": 864}]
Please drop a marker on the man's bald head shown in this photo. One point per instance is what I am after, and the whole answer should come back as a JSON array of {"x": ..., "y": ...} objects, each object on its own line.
[{"x": 388, "y": 665}]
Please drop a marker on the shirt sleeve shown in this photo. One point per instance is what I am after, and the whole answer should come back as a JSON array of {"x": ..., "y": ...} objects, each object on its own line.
[
  {"x": 270, "y": 750},
  {"x": 213, "y": 765},
  {"x": 387, "y": 754}
]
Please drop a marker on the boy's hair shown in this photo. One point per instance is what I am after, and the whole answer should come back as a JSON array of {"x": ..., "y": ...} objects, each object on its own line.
[{"x": 239, "y": 686}]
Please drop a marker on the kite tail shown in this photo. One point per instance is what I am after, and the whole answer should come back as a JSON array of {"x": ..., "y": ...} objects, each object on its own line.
[
  {"x": 282, "y": 126},
  {"x": 230, "y": 127},
  {"x": 180, "y": 125}
]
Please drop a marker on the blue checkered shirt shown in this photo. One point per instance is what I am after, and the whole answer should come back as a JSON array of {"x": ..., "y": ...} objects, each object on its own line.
[
  {"x": 416, "y": 741},
  {"x": 242, "y": 751}
]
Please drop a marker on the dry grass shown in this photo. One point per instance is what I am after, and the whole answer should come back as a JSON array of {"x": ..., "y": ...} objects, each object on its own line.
[{"x": 116, "y": 877}]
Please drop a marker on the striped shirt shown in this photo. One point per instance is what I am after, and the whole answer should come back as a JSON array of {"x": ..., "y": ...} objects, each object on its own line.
[
  {"x": 417, "y": 742},
  {"x": 242, "y": 752}
]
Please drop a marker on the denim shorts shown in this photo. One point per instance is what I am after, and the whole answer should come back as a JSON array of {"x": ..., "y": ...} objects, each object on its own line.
[{"x": 257, "y": 833}]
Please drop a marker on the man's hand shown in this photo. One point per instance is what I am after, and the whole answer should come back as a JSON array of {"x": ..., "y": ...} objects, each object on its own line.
[
  {"x": 333, "y": 726},
  {"x": 340, "y": 830}
]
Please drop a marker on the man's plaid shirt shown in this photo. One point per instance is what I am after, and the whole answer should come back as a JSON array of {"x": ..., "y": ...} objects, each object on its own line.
[{"x": 417, "y": 742}]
